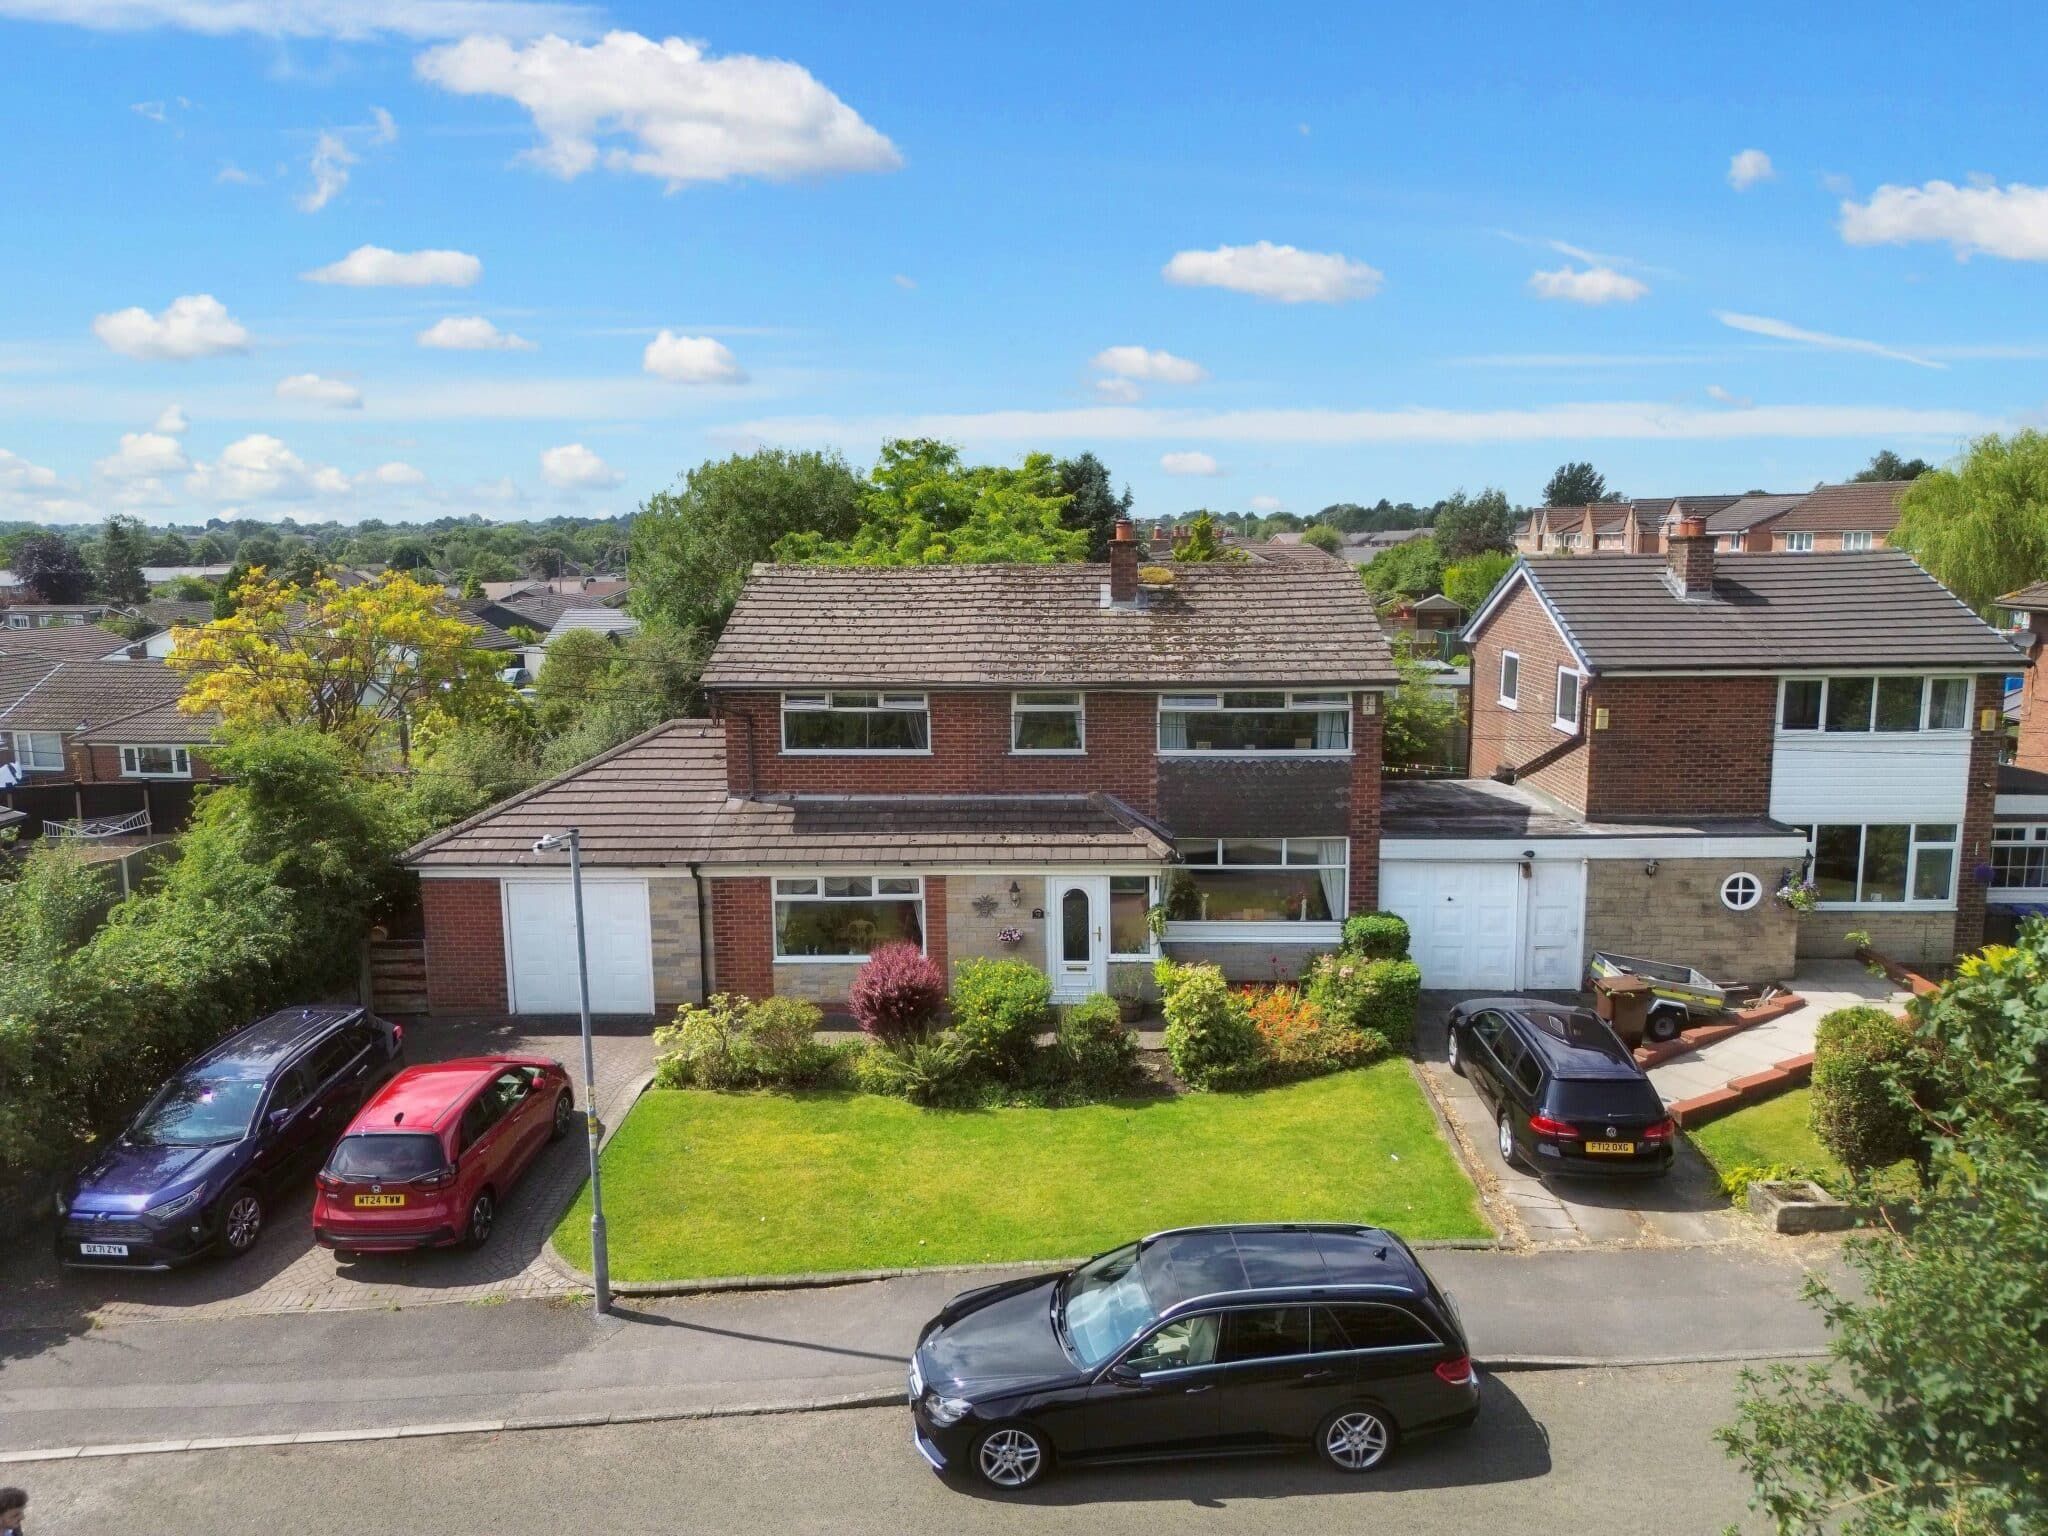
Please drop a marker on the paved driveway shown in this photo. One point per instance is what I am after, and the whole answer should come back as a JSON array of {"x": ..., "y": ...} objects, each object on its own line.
[
  {"x": 287, "y": 1273},
  {"x": 1685, "y": 1207}
]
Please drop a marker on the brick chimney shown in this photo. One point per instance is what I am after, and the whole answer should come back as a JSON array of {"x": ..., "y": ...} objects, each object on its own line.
[
  {"x": 1123, "y": 564},
  {"x": 1689, "y": 558},
  {"x": 2032, "y": 744}
]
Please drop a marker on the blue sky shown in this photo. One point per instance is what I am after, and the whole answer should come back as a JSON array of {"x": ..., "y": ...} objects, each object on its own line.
[{"x": 1504, "y": 239}]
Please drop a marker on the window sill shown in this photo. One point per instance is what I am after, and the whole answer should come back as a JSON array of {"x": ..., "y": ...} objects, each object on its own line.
[
  {"x": 1566, "y": 727},
  {"x": 1886, "y": 906},
  {"x": 856, "y": 752},
  {"x": 1293, "y": 752},
  {"x": 1048, "y": 752},
  {"x": 1194, "y": 931},
  {"x": 823, "y": 959},
  {"x": 181, "y": 778},
  {"x": 1509, "y": 704}
]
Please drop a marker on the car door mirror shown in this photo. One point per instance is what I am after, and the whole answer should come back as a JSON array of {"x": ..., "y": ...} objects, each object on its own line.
[
  {"x": 278, "y": 1119},
  {"x": 1123, "y": 1370}
]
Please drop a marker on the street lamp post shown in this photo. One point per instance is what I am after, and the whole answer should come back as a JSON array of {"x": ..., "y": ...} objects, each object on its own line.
[{"x": 600, "y": 1261}]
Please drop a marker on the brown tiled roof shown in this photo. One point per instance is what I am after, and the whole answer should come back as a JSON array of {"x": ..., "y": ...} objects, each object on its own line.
[
  {"x": 170, "y": 610},
  {"x": 62, "y": 642},
  {"x": 92, "y": 694},
  {"x": 1746, "y": 512},
  {"x": 660, "y": 801},
  {"x": 1232, "y": 623},
  {"x": 1768, "y": 611},
  {"x": 156, "y": 725},
  {"x": 1866, "y": 504},
  {"x": 2032, "y": 599}
]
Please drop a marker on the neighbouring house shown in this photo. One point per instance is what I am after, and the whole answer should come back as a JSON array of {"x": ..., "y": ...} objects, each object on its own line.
[
  {"x": 1635, "y": 527},
  {"x": 1854, "y": 516},
  {"x": 48, "y": 615},
  {"x": 1743, "y": 526},
  {"x": 11, "y": 585},
  {"x": 600, "y": 621},
  {"x": 1364, "y": 548},
  {"x": 1684, "y": 734},
  {"x": 157, "y": 575},
  {"x": 91, "y": 721},
  {"x": 1858, "y": 515},
  {"x": 2019, "y": 851},
  {"x": 82, "y": 642},
  {"x": 1053, "y": 762}
]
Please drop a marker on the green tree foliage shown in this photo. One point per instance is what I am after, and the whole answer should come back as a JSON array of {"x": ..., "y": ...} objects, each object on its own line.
[
  {"x": 1411, "y": 569},
  {"x": 1419, "y": 719},
  {"x": 51, "y": 567},
  {"x": 1886, "y": 465},
  {"x": 1202, "y": 544},
  {"x": 1470, "y": 582},
  {"x": 1471, "y": 525},
  {"x": 923, "y": 506},
  {"x": 1576, "y": 484},
  {"x": 169, "y": 549},
  {"x": 578, "y": 668},
  {"x": 408, "y": 555},
  {"x": 1323, "y": 537},
  {"x": 117, "y": 571},
  {"x": 1930, "y": 1415},
  {"x": 693, "y": 545},
  {"x": 1981, "y": 528},
  {"x": 545, "y": 561},
  {"x": 1092, "y": 507},
  {"x": 209, "y": 551}
]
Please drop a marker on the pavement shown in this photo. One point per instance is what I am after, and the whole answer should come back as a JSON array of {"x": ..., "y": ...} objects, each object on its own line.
[
  {"x": 140, "y": 1382},
  {"x": 1825, "y": 984},
  {"x": 1604, "y": 1450},
  {"x": 286, "y": 1272}
]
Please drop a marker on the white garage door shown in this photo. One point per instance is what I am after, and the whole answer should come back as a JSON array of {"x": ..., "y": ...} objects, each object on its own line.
[
  {"x": 540, "y": 924},
  {"x": 1461, "y": 919}
]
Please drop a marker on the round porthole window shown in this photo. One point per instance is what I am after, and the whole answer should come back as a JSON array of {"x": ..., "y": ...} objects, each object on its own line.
[{"x": 1741, "y": 891}]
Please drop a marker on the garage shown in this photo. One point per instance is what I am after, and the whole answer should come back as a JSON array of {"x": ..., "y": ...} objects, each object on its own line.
[
  {"x": 1479, "y": 924},
  {"x": 540, "y": 943}
]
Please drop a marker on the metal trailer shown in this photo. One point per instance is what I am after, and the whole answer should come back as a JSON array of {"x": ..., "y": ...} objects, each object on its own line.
[{"x": 1679, "y": 995}]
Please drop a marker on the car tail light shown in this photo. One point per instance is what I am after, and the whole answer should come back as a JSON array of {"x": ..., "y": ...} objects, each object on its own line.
[
  {"x": 1543, "y": 1125},
  {"x": 330, "y": 1183},
  {"x": 1661, "y": 1131},
  {"x": 440, "y": 1178},
  {"x": 397, "y": 1036},
  {"x": 1456, "y": 1373}
]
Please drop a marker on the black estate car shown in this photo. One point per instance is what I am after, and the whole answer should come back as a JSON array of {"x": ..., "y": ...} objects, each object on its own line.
[
  {"x": 1205, "y": 1341},
  {"x": 194, "y": 1171},
  {"x": 1566, "y": 1094}
]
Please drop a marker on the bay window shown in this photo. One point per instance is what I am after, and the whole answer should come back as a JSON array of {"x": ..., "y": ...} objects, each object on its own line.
[
  {"x": 1047, "y": 722},
  {"x": 1866, "y": 705},
  {"x": 39, "y": 751},
  {"x": 855, "y": 722},
  {"x": 1255, "y": 722},
  {"x": 846, "y": 917},
  {"x": 155, "y": 763},
  {"x": 1883, "y": 863},
  {"x": 1259, "y": 880}
]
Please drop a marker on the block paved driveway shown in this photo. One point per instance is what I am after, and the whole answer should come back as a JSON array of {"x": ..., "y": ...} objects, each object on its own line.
[
  {"x": 1686, "y": 1206},
  {"x": 287, "y": 1273}
]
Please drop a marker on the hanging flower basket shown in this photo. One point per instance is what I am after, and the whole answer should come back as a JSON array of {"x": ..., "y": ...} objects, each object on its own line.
[{"x": 1010, "y": 936}]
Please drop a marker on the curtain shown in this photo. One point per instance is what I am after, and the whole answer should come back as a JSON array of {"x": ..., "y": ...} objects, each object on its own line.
[
  {"x": 1332, "y": 727},
  {"x": 1173, "y": 731},
  {"x": 1333, "y": 872}
]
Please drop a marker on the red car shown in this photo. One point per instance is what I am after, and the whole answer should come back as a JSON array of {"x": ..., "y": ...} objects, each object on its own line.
[{"x": 426, "y": 1162}]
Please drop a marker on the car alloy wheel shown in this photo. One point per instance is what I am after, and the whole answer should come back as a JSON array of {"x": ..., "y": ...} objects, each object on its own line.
[
  {"x": 1009, "y": 1457},
  {"x": 243, "y": 1222},
  {"x": 1451, "y": 1053},
  {"x": 482, "y": 1212},
  {"x": 1507, "y": 1140},
  {"x": 1356, "y": 1440},
  {"x": 565, "y": 1115}
]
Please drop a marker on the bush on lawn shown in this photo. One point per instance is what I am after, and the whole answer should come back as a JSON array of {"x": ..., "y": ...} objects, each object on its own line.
[
  {"x": 1865, "y": 1061},
  {"x": 1000, "y": 1007},
  {"x": 1376, "y": 996},
  {"x": 1210, "y": 1038},
  {"x": 1095, "y": 1048},
  {"x": 926, "y": 1070},
  {"x": 1377, "y": 936},
  {"x": 897, "y": 994},
  {"x": 1300, "y": 1040},
  {"x": 733, "y": 1043}
]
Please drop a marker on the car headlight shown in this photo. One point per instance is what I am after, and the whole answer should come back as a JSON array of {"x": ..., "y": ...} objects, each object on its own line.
[
  {"x": 178, "y": 1206},
  {"x": 945, "y": 1411}
]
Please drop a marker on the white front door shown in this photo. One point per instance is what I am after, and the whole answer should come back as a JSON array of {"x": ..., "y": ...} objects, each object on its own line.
[
  {"x": 540, "y": 935},
  {"x": 1077, "y": 935}
]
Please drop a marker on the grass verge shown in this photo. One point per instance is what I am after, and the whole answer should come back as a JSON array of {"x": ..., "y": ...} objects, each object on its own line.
[{"x": 1778, "y": 1133}]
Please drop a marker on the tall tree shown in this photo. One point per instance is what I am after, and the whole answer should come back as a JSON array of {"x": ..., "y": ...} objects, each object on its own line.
[
  {"x": 1346, "y": 517},
  {"x": 169, "y": 549},
  {"x": 1886, "y": 465},
  {"x": 118, "y": 570},
  {"x": 1414, "y": 568},
  {"x": 1092, "y": 507},
  {"x": 1576, "y": 484},
  {"x": 1470, "y": 525},
  {"x": 1470, "y": 582},
  {"x": 1981, "y": 528},
  {"x": 693, "y": 545},
  {"x": 1201, "y": 545},
  {"x": 545, "y": 560},
  {"x": 50, "y": 566},
  {"x": 1324, "y": 537}
]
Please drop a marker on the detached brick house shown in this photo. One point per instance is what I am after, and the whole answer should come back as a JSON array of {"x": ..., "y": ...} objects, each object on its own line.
[
  {"x": 982, "y": 760},
  {"x": 90, "y": 721}
]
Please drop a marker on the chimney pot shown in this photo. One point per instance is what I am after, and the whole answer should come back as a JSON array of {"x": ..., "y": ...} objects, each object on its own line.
[
  {"x": 1689, "y": 558},
  {"x": 1123, "y": 563}
]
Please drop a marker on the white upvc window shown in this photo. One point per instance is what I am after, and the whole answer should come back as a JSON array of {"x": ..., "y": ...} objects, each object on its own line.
[
  {"x": 1259, "y": 723},
  {"x": 1567, "y": 710},
  {"x": 1259, "y": 880},
  {"x": 1567, "y": 541},
  {"x": 155, "y": 763},
  {"x": 1856, "y": 539},
  {"x": 1131, "y": 899},
  {"x": 1883, "y": 864},
  {"x": 39, "y": 751},
  {"x": 1042, "y": 723},
  {"x": 846, "y": 917},
  {"x": 1868, "y": 704},
  {"x": 856, "y": 723},
  {"x": 1799, "y": 543},
  {"x": 1510, "y": 680},
  {"x": 2019, "y": 856},
  {"x": 18, "y": 621}
]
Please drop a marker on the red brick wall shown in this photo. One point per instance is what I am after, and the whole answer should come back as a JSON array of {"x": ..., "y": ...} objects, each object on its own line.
[
  {"x": 1503, "y": 737},
  {"x": 1977, "y": 813},
  {"x": 1685, "y": 746},
  {"x": 742, "y": 945},
  {"x": 1825, "y": 543},
  {"x": 935, "y": 922},
  {"x": 970, "y": 752},
  {"x": 465, "y": 946},
  {"x": 1364, "y": 821},
  {"x": 2033, "y": 730}
]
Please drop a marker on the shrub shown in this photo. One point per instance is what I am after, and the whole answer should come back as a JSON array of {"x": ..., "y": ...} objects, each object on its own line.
[
  {"x": 1859, "y": 1055},
  {"x": 1209, "y": 1035},
  {"x": 1300, "y": 1040},
  {"x": 1377, "y": 936},
  {"x": 1000, "y": 1007},
  {"x": 1376, "y": 995},
  {"x": 924, "y": 1070},
  {"x": 1095, "y": 1048},
  {"x": 780, "y": 1044},
  {"x": 897, "y": 993},
  {"x": 705, "y": 1046}
]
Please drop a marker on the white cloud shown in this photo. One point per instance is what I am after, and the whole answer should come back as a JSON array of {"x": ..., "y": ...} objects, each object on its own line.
[
  {"x": 1149, "y": 366},
  {"x": 171, "y": 420},
  {"x": 1119, "y": 391},
  {"x": 664, "y": 109},
  {"x": 905, "y": 283},
  {"x": 33, "y": 493},
  {"x": 1763, "y": 325},
  {"x": 197, "y": 325},
  {"x": 142, "y": 456},
  {"x": 471, "y": 333},
  {"x": 153, "y": 110},
  {"x": 573, "y": 467},
  {"x": 395, "y": 473},
  {"x": 1268, "y": 504},
  {"x": 17, "y": 474},
  {"x": 372, "y": 266},
  {"x": 1748, "y": 167},
  {"x": 233, "y": 175},
  {"x": 1587, "y": 285},
  {"x": 332, "y": 156},
  {"x": 1189, "y": 462},
  {"x": 1728, "y": 396},
  {"x": 1278, "y": 272},
  {"x": 260, "y": 467},
  {"x": 311, "y": 389},
  {"x": 2009, "y": 221},
  {"x": 691, "y": 360},
  {"x": 345, "y": 19}
]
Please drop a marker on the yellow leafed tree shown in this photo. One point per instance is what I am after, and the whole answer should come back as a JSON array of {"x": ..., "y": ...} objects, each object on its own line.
[{"x": 368, "y": 663}]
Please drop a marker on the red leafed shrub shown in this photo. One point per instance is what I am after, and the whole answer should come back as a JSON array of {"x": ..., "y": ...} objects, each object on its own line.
[{"x": 897, "y": 993}]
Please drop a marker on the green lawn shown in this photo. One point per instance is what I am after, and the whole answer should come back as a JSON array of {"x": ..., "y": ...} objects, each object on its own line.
[
  {"x": 699, "y": 1184},
  {"x": 1780, "y": 1132}
]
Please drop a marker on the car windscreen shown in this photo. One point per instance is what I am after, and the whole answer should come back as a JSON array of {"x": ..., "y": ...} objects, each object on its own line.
[
  {"x": 1597, "y": 1098},
  {"x": 395, "y": 1156},
  {"x": 1105, "y": 1305},
  {"x": 198, "y": 1109}
]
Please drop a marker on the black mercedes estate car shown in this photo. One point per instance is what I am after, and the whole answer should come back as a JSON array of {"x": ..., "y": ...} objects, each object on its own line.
[
  {"x": 1566, "y": 1094},
  {"x": 1204, "y": 1341}
]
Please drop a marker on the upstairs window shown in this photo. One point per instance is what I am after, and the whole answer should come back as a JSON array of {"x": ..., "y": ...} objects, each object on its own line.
[
  {"x": 1799, "y": 543},
  {"x": 155, "y": 763},
  {"x": 1255, "y": 722},
  {"x": 1866, "y": 705},
  {"x": 1855, "y": 539},
  {"x": 1047, "y": 722},
  {"x": 850, "y": 722},
  {"x": 39, "y": 751}
]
